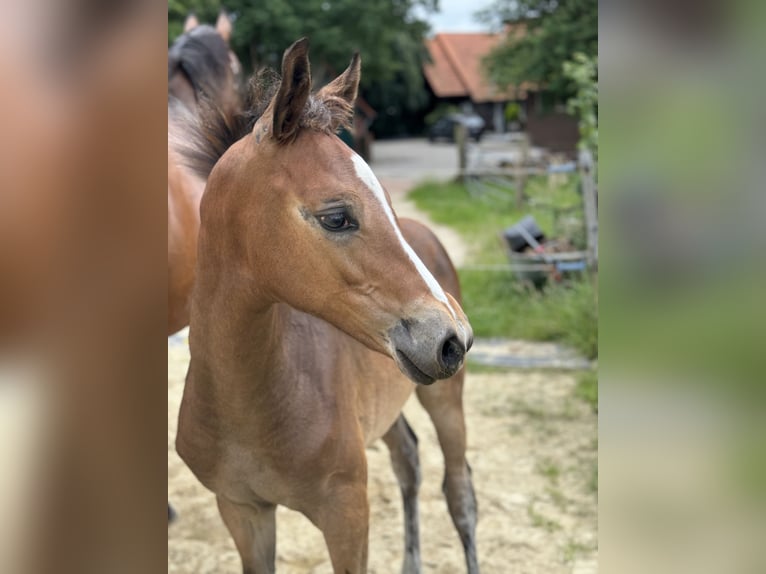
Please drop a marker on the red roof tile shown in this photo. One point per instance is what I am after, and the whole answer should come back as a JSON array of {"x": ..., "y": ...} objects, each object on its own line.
[
  {"x": 440, "y": 74},
  {"x": 456, "y": 69}
]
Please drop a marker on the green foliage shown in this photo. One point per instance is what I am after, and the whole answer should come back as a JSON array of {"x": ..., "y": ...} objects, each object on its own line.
[
  {"x": 205, "y": 10},
  {"x": 512, "y": 111},
  {"x": 583, "y": 71},
  {"x": 555, "y": 31},
  {"x": 388, "y": 33}
]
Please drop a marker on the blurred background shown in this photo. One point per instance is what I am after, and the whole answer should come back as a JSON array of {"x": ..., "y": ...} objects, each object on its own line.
[
  {"x": 682, "y": 415},
  {"x": 82, "y": 286}
]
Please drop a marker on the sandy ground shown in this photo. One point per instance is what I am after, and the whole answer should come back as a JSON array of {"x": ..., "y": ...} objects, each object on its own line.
[{"x": 532, "y": 447}]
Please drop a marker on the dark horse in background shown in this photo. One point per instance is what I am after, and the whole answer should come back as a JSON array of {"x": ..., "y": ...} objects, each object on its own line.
[
  {"x": 202, "y": 71},
  {"x": 202, "y": 64}
]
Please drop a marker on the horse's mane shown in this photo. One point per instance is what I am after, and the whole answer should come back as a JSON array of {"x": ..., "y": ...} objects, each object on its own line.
[
  {"x": 202, "y": 140},
  {"x": 203, "y": 56}
]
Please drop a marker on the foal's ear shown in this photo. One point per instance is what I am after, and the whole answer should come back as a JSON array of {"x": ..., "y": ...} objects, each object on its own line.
[
  {"x": 345, "y": 86},
  {"x": 293, "y": 92},
  {"x": 191, "y": 22},
  {"x": 223, "y": 25},
  {"x": 340, "y": 94}
]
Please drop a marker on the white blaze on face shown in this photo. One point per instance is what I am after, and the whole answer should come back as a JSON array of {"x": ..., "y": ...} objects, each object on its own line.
[{"x": 364, "y": 173}]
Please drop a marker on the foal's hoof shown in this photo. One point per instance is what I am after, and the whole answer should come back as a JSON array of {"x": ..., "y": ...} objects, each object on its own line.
[{"x": 171, "y": 515}]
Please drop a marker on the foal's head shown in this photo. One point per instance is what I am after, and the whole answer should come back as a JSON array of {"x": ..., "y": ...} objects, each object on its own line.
[{"x": 312, "y": 227}]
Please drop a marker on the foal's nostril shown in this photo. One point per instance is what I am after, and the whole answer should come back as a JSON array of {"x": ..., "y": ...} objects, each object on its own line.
[{"x": 452, "y": 353}]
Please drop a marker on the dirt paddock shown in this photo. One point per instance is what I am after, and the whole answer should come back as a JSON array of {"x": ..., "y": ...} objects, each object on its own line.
[{"x": 532, "y": 447}]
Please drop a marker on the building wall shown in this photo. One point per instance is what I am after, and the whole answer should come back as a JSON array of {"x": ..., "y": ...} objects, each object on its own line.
[
  {"x": 548, "y": 126},
  {"x": 555, "y": 131}
]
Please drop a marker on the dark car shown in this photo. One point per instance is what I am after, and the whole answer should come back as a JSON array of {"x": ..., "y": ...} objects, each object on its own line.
[{"x": 444, "y": 128}]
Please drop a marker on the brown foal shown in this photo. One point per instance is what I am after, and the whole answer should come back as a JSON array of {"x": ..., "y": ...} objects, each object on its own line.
[{"x": 311, "y": 317}]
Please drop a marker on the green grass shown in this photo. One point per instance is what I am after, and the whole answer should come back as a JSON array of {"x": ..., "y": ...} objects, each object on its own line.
[
  {"x": 540, "y": 521},
  {"x": 593, "y": 478},
  {"x": 573, "y": 549},
  {"x": 587, "y": 389},
  {"x": 497, "y": 304},
  {"x": 557, "y": 498},
  {"x": 480, "y": 219},
  {"x": 549, "y": 469}
]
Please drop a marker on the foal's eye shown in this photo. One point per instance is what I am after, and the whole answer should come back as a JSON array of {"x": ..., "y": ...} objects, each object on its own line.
[{"x": 336, "y": 221}]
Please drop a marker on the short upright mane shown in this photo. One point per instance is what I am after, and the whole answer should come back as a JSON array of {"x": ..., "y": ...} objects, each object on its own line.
[{"x": 204, "y": 139}]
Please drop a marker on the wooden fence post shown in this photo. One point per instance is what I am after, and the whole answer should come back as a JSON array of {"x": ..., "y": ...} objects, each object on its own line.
[
  {"x": 521, "y": 173},
  {"x": 461, "y": 139},
  {"x": 590, "y": 203}
]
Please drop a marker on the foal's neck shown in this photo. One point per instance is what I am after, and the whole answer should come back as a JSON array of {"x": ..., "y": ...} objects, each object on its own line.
[{"x": 242, "y": 343}]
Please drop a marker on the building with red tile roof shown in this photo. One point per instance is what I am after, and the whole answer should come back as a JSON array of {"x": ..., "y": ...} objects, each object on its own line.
[
  {"x": 456, "y": 67},
  {"x": 456, "y": 75}
]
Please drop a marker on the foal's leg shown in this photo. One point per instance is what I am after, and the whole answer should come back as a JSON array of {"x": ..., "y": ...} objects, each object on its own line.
[
  {"x": 344, "y": 520},
  {"x": 403, "y": 444},
  {"x": 444, "y": 403},
  {"x": 341, "y": 511},
  {"x": 171, "y": 514},
  {"x": 254, "y": 529}
]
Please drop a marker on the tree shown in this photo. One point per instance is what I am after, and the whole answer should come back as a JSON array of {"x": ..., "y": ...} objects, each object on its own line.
[
  {"x": 178, "y": 10},
  {"x": 555, "y": 31},
  {"x": 582, "y": 70},
  {"x": 388, "y": 34}
]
